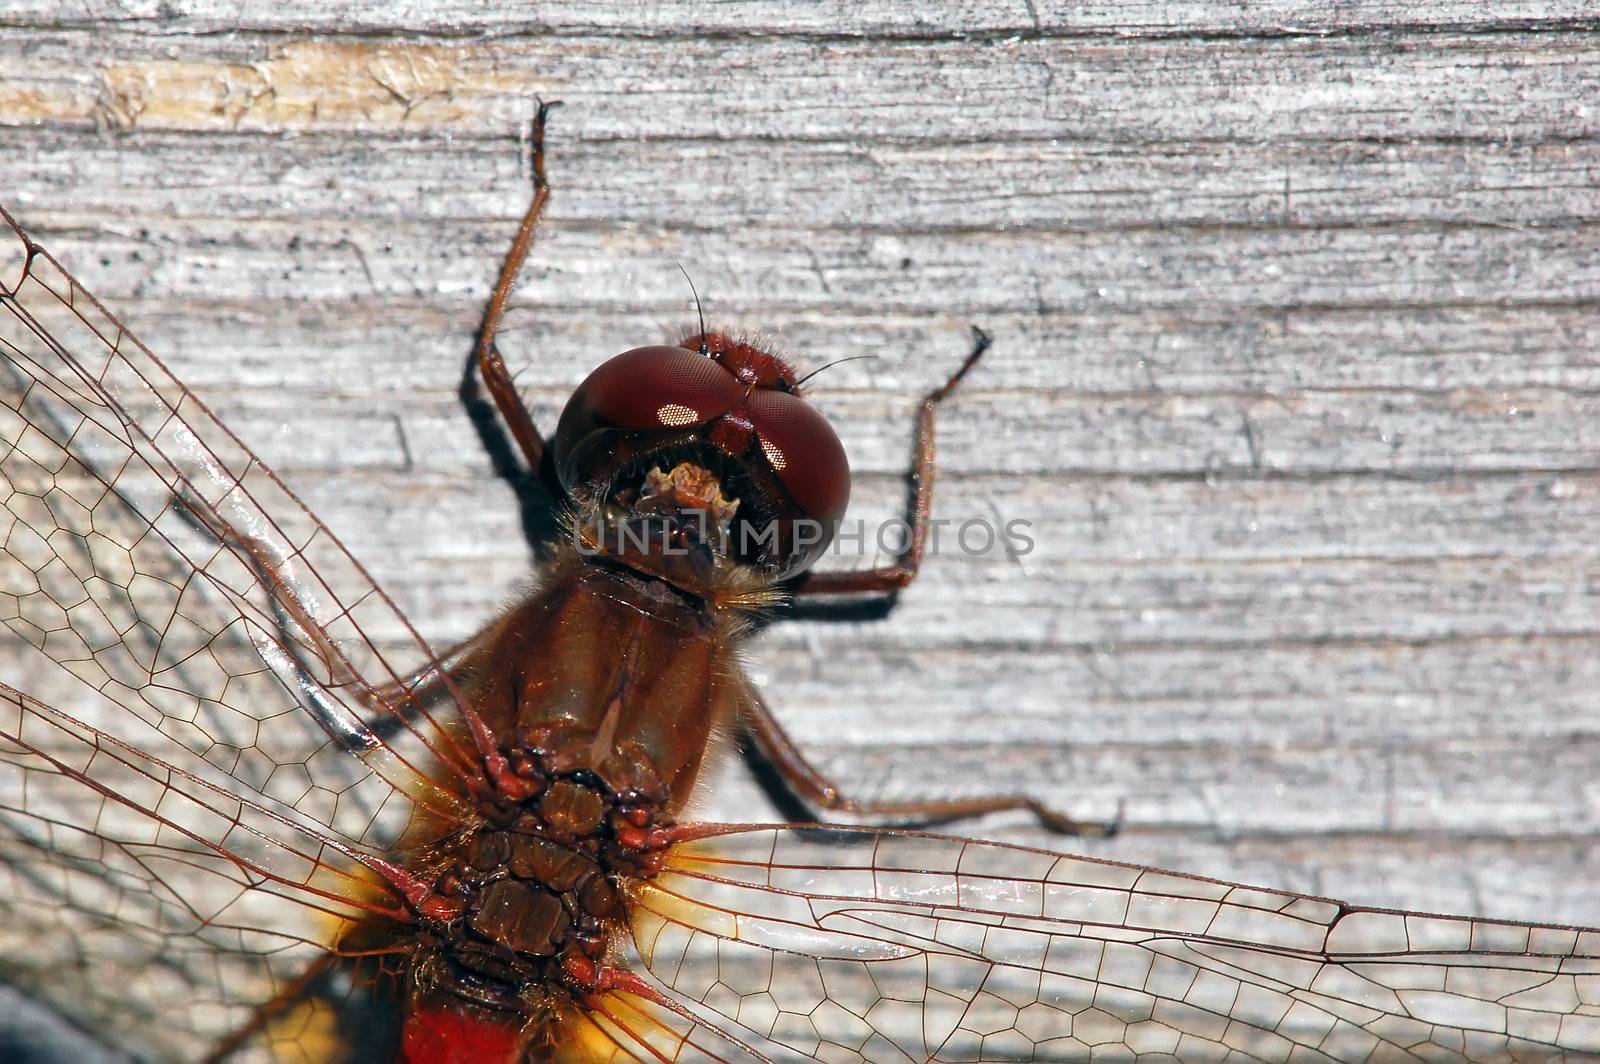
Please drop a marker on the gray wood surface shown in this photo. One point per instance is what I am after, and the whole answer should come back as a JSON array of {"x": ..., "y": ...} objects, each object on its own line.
[{"x": 1296, "y": 365}]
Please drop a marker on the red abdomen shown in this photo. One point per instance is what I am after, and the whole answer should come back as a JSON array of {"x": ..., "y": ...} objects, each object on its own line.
[{"x": 440, "y": 1034}]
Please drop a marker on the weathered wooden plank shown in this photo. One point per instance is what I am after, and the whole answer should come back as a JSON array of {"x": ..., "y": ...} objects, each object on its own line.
[
  {"x": 1023, "y": 608},
  {"x": 1211, "y": 807},
  {"x": 1054, "y": 433},
  {"x": 444, "y": 515},
  {"x": 1334, "y": 688},
  {"x": 1239, "y": 519},
  {"x": 1442, "y": 874},
  {"x": 1498, "y": 87},
  {"x": 1019, "y": 609},
  {"x": 1330, "y": 692},
  {"x": 1274, "y": 16},
  {"x": 1190, "y": 350},
  {"x": 1097, "y": 581},
  {"x": 804, "y": 184},
  {"x": 1295, "y": 366},
  {"x": 832, "y": 18},
  {"x": 937, "y": 273},
  {"x": 1250, "y": 789}
]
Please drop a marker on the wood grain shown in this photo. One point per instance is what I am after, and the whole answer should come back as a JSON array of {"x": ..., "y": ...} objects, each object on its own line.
[
  {"x": 1295, "y": 374},
  {"x": 828, "y": 18}
]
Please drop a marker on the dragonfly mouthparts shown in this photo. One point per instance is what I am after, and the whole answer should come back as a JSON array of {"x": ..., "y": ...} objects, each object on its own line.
[
  {"x": 689, "y": 487},
  {"x": 674, "y": 524}
]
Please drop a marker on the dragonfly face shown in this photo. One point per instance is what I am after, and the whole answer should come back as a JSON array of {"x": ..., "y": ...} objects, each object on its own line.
[
  {"x": 732, "y": 413},
  {"x": 273, "y": 823}
]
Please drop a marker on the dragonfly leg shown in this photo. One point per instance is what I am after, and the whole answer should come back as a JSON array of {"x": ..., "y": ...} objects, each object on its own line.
[
  {"x": 427, "y": 683},
  {"x": 891, "y": 578},
  {"x": 809, "y": 785},
  {"x": 492, "y": 367},
  {"x": 400, "y": 700},
  {"x": 404, "y": 701}
]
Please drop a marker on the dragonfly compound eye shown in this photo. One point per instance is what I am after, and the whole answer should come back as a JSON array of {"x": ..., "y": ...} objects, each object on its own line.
[
  {"x": 651, "y": 388},
  {"x": 730, "y": 411},
  {"x": 805, "y": 454}
]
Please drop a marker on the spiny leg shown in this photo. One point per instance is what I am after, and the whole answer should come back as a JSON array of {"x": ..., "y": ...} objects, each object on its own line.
[
  {"x": 406, "y": 696},
  {"x": 400, "y": 701},
  {"x": 820, "y": 793},
  {"x": 919, "y": 507},
  {"x": 493, "y": 368}
]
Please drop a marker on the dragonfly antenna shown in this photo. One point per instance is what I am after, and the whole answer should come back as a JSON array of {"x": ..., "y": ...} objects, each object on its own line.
[
  {"x": 830, "y": 365},
  {"x": 699, "y": 313}
]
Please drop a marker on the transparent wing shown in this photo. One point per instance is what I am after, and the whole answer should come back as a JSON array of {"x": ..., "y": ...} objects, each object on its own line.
[
  {"x": 626, "y": 1028},
  {"x": 147, "y": 551},
  {"x": 147, "y": 901},
  {"x": 207, "y": 628},
  {"x": 851, "y": 945}
]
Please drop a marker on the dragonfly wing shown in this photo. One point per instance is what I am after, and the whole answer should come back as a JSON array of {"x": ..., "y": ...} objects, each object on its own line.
[
  {"x": 626, "y": 1028},
  {"x": 150, "y": 554},
  {"x": 177, "y": 835},
  {"x": 144, "y": 898},
  {"x": 849, "y": 945}
]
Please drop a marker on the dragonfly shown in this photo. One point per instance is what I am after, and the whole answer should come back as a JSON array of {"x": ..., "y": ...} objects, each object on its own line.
[{"x": 248, "y": 813}]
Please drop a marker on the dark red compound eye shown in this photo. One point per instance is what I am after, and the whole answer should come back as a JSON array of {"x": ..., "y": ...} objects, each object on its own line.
[
  {"x": 661, "y": 388},
  {"x": 805, "y": 454},
  {"x": 653, "y": 398}
]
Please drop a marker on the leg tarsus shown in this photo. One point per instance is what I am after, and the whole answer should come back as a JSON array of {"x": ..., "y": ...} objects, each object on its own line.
[
  {"x": 822, "y": 794},
  {"x": 502, "y": 389},
  {"x": 919, "y": 507},
  {"x": 297, "y": 990}
]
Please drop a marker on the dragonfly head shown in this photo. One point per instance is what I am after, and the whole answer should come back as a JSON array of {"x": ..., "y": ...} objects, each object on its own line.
[{"x": 711, "y": 434}]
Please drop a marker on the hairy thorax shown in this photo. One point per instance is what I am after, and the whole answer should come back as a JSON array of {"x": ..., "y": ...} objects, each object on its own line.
[{"x": 605, "y": 691}]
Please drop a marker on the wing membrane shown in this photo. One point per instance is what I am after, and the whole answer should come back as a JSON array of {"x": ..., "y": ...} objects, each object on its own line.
[
  {"x": 850, "y": 945},
  {"x": 154, "y": 557},
  {"x": 146, "y": 899},
  {"x": 177, "y": 847}
]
